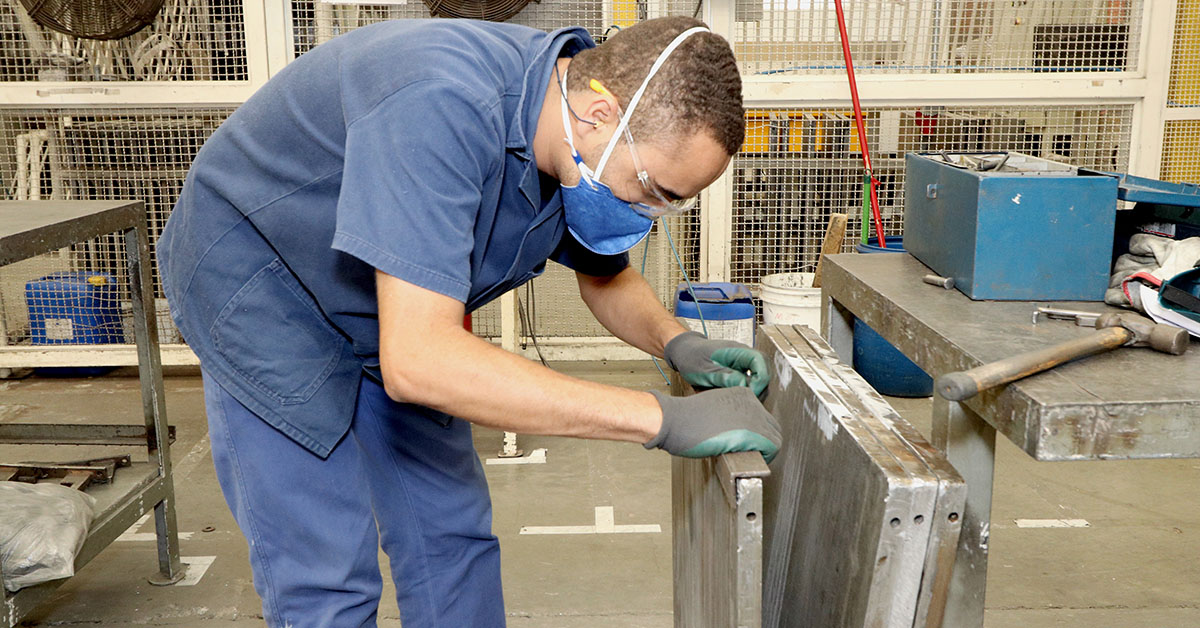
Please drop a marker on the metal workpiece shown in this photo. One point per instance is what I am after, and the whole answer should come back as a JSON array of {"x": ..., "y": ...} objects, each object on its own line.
[
  {"x": 853, "y": 536},
  {"x": 1113, "y": 406},
  {"x": 925, "y": 460},
  {"x": 717, "y": 517},
  {"x": 946, "y": 283}
]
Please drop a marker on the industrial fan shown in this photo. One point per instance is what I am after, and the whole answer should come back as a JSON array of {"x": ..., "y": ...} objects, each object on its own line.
[
  {"x": 93, "y": 19},
  {"x": 491, "y": 10}
]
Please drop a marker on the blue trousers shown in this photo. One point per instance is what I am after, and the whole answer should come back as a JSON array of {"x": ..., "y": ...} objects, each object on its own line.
[{"x": 405, "y": 477}]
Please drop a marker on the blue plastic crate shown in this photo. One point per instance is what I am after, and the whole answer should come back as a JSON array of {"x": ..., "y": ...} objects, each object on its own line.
[{"x": 74, "y": 308}]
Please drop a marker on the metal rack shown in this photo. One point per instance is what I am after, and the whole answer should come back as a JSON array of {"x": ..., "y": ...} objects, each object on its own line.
[{"x": 32, "y": 228}]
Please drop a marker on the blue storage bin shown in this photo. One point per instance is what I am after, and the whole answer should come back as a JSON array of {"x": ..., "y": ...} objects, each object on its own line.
[
  {"x": 728, "y": 310},
  {"x": 74, "y": 308},
  {"x": 882, "y": 365}
]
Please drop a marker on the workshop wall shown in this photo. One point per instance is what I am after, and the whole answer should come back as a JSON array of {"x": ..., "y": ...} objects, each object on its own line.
[
  {"x": 1181, "y": 138},
  {"x": 121, "y": 119}
]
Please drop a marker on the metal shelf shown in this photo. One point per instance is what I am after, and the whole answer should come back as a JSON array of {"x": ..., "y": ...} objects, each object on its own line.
[{"x": 31, "y": 228}]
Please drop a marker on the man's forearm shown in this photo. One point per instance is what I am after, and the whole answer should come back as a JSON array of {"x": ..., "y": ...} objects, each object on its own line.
[
  {"x": 427, "y": 358},
  {"x": 627, "y": 306}
]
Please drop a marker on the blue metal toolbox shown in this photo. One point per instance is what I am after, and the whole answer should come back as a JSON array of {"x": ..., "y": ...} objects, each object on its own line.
[{"x": 1009, "y": 226}]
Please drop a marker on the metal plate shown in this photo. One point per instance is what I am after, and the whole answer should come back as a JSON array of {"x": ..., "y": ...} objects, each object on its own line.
[
  {"x": 946, "y": 522},
  {"x": 849, "y": 503}
]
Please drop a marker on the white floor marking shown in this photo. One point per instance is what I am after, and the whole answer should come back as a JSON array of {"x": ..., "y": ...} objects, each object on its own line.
[
  {"x": 197, "y": 454},
  {"x": 537, "y": 456},
  {"x": 604, "y": 525},
  {"x": 197, "y": 566},
  {"x": 1053, "y": 523},
  {"x": 131, "y": 535}
]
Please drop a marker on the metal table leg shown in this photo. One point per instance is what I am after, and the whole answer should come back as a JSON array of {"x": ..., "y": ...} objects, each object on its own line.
[
  {"x": 969, "y": 443},
  {"x": 837, "y": 327},
  {"x": 137, "y": 255}
]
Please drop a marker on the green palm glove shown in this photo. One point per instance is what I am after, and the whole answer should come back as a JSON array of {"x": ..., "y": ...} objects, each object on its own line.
[
  {"x": 717, "y": 363},
  {"x": 716, "y": 422}
]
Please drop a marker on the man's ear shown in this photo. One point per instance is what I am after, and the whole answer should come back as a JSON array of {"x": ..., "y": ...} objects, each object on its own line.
[
  {"x": 601, "y": 115},
  {"x": 602, "y": 110}
]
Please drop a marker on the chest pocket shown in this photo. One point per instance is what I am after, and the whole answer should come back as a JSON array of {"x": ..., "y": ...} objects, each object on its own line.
[
  {"x": 539, "y": 242},
  {"x": 272, "y": 334}
]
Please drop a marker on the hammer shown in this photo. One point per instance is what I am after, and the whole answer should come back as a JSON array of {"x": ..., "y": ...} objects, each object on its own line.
[{"x": 1115, "y": 330}]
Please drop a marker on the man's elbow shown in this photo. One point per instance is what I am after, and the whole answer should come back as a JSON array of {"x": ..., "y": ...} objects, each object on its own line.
[{"x": 403, "y": 386}]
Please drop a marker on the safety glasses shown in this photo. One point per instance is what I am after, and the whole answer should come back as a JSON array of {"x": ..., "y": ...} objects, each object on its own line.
[{"x": 661, "y": 205}]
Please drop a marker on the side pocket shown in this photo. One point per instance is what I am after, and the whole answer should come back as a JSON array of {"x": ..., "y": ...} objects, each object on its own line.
[{"x": 272, "y": 334}]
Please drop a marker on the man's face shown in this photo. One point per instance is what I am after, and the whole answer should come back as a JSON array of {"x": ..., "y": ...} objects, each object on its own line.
[{"x": 676, "y": 169}]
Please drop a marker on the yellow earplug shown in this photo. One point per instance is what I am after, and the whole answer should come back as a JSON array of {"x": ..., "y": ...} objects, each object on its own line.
[{"x": 600, "y": 89}]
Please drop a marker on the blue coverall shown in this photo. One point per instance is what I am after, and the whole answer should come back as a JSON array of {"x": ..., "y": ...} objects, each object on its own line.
[{"x": 404, "y": 147}]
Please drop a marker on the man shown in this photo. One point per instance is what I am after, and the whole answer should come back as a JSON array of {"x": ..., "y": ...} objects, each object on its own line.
[{"x": 332, "y": 234}]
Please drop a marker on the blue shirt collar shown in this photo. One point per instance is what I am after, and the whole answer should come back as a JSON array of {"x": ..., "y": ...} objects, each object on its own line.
[{"x": 564, "y": 42}]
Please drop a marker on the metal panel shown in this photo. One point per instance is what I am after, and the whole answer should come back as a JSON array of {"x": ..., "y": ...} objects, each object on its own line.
[
  {"x": 717, "y": 525},
  {"x": 718, "y": 535},
  {"x": 946, "y": 523},
  {"x": 850, "y": 503}
]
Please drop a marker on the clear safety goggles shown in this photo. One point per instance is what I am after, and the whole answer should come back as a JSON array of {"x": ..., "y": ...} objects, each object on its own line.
[{"x": 661, "y": 205}]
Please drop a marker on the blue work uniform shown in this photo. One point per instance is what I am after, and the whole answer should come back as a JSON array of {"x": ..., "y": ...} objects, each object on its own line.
[{"x": 405, "y": 147}]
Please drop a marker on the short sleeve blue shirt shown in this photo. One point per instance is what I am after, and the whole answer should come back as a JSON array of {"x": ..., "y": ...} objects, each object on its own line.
[{"x": 403, "y": 146}]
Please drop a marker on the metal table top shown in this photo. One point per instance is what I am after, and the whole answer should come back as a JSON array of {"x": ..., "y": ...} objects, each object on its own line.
[
  {"x": 1129, "y": 403},
  {"x": 29, "y": 228}
]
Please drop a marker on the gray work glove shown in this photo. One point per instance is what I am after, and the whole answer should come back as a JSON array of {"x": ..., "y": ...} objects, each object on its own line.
[
  {"x": 716, "y": 422},
  {"x": 716, "y": 363}
]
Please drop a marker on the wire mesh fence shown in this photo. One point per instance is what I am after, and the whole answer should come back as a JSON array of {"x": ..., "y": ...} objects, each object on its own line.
[
  {"x": 1184, "y": 86},
  {"x": 554, "y": 304},
  {"x": 189, "y": 40},
  {"x": 798, "y": 166},
  {"x": 1181, "y": 151},
  {"x": 802, "y": 37},
  {"x": 95, "y": 154},
  {"x": 78, "y": 295},
  {"x": 317, "y": 21}
]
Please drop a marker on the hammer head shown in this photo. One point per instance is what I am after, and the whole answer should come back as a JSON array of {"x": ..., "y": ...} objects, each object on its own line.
[{"x": 1147, "y": 333}]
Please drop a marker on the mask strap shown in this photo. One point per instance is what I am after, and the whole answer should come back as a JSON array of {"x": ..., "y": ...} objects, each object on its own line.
[
  {"x": 586, "y": 172},
  {"x": 637, "y": 96}
]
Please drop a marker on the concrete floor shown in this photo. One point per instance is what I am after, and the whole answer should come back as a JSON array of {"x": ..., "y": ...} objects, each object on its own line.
[{"x": 1136, "y": 565}]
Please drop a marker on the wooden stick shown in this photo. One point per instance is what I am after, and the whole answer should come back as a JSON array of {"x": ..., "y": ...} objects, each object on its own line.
[{"x": 834, "y": 234}]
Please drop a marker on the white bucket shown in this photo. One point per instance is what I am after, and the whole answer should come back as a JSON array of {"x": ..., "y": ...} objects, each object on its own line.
[{"x": 790, "y": 299}]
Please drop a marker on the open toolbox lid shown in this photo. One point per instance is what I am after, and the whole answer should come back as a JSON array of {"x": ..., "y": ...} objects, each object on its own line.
[{"x": 1146, "y": 190}]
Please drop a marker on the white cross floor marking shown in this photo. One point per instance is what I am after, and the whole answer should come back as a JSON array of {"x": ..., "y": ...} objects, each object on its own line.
[
  {"x": 197, "y": 566},
  {"x": 130, "y": 535},
  {"x": 537, "y": 456},
  {"x": 1053, "y": 523},
  {"x": 604, "y": 525}
]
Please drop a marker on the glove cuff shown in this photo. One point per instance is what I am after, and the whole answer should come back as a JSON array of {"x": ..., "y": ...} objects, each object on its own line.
[
  {"x": 677, "y": 344},
  {"x": 664, "y": 401}
]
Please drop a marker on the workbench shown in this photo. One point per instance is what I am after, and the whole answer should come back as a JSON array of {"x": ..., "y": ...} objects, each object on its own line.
[
  {"x": 32, "y": 228},
  {"x": 1126, "y": 404}
]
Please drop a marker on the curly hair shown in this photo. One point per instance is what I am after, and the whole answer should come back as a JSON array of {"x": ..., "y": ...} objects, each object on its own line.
[{"x": 698, "y": 88}]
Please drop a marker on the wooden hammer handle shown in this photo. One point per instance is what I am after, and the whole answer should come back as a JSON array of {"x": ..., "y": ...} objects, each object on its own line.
[{"x": 966, "y": 384}]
